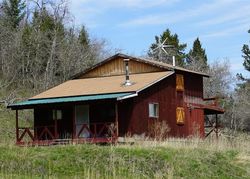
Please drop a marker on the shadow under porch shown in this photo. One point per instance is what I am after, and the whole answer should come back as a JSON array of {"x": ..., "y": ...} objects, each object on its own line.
[{"x": 94, "y": 121}]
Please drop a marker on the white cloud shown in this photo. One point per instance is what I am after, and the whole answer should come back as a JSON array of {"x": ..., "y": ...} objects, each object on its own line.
[
  {"x": 176, "y": 16},
  {"x": 227, "y": 32},
  {"x": 231, "y": 15},
  {"x": 106, "y": 4},
  {"x": 235, "y": 67},
  {"x": 87, "y": 11}
]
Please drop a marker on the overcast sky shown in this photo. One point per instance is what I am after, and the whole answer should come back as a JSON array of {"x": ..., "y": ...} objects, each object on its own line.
[{"x": 131, "y": 25}]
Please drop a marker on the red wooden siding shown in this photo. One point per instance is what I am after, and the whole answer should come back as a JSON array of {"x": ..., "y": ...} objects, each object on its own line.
[
  {"x": 134, "y": 114},
  {"x": 193, "y": 88}
]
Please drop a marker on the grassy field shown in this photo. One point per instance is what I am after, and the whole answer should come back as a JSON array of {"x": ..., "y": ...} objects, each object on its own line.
[
  {"x": 173, "y": 158},
  {"x": 169, "y": 159}
]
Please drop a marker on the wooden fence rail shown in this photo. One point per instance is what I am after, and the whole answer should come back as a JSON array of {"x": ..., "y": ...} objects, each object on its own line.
[{"x": 93, "y": 132}]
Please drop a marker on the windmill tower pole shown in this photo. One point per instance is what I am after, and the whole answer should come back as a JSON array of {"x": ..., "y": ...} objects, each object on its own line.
[{"x": 174, "y": 60}]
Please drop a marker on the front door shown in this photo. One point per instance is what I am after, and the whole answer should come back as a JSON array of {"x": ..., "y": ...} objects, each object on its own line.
[{"x": 82, "y": 120}]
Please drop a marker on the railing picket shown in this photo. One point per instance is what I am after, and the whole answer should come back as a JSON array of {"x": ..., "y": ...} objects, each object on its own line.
[
  {"x": 98, "y": 132},
  {"x": 48, "y": 132},
  {"x": 25, "y": 130},
  {"x": 22, "y": 135}
]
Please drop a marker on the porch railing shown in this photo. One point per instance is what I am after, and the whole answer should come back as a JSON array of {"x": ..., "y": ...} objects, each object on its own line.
[
  {"x": 214, "y": 101},
  {"x": 27, "y": 135},
  {"x": 24, "y": 134},
  {"x": 93, "y": 132},
  {"x": 45, "y": 132}
]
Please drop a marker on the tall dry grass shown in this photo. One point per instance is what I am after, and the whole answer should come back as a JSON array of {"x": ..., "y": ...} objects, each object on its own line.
[{"x": 241, "y": 142}]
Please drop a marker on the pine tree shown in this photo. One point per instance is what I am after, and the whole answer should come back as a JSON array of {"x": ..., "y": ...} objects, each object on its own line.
[
  {"x": 84, "y": 37},
  {"x": 177, "y": 50},
  {"x": 197, "y": 55},
  {"x": 14, "y": 12},
  {"x": 246, "y": 55},
  {"x": 197, "y": 52}
]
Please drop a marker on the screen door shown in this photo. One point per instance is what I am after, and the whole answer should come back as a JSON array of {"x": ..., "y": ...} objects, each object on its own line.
[{"x": 82, "y": 117}]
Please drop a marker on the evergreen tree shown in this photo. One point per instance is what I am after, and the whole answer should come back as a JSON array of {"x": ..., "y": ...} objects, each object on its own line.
[
  {"x": 14, "y": 12},
  {"x": 177, "y": 50},
  {"x": 45, "y": 22},
  {"x": 197, "y": 55},
  {"x": 84, "y": 37},
  {"x": 197, "y": 52},
  {"x": 246, "y": 55}
]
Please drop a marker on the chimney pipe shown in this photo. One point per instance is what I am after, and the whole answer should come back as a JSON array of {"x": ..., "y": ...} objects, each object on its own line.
[
  {"x": 127, "y": 81},
  {"x": 173, "y": 60}
]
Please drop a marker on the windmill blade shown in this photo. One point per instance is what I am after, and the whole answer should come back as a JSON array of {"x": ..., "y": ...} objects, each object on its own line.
[
  {"x": 156, "y": 48},
  {"x": 168, "y": 46},
  {"x": 162, "y": 48},
  {"x": 164, "y": 41},
  {"x": 165, "y": 51}
]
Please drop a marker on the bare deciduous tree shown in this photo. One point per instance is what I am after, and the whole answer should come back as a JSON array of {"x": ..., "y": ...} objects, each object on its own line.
[{"x": 42, "y": 52}]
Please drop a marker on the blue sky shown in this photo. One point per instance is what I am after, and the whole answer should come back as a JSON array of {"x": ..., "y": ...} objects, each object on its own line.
[{"x": 131, "y": 25}]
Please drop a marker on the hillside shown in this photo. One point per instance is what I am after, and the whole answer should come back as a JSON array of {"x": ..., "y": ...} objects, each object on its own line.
[
  {"x": 174, "y": 158},
  {"x": 91, "y": 161}
]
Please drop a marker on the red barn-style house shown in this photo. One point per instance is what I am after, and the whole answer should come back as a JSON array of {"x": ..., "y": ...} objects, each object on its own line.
[{"x": 118, "y": 96}]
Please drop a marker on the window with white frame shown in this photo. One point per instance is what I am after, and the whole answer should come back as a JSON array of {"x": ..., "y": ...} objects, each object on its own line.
[
  {"x": 153, "y": 110},
  {"x": 57, "y": 114}
]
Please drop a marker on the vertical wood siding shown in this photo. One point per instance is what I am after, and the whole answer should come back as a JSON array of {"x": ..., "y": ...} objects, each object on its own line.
[
  {"x": 116, "y": 67},
  {"x": 134, "y": 115}
]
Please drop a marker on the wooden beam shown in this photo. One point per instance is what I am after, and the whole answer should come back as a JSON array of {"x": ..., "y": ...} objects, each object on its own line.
[
  {"x": 56, "y": 133},
  {"x": 216, "y": 125},
  {"x": 116, "y": 119},
  {"x": 17, "y": 129},
  {"x": 74, "y": 124}
]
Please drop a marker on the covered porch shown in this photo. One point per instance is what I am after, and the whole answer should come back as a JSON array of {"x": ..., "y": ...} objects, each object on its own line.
[
  {"x": 212, "y": 108},
  {"x": 88, "y": 119}
]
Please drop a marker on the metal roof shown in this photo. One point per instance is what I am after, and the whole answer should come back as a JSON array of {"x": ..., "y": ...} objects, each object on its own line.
[{"x": 32, "y": 102}]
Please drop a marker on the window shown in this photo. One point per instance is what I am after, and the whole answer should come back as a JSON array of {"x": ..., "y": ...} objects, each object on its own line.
[
  {"x": 180, "y": 115},
  {"x": 57, "y": 114},
  {"x": 153, "y": 110},
  {"x": 179, "y": 82}
]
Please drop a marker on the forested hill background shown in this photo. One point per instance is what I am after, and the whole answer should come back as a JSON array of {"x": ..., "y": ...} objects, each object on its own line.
[{"x": 40, "y": 47}]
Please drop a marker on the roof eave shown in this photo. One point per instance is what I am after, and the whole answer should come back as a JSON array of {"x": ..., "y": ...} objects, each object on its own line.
[
  {"x": 31, "y": 103},
  {"x": 145, "y": 87}
]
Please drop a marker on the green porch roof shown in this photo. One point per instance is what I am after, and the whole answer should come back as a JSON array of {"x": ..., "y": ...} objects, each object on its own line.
[{"x": 32, "y": 102}]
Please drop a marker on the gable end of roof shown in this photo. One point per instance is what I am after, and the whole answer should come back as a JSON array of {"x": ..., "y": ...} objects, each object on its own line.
[{"x": 161, "y": 65}]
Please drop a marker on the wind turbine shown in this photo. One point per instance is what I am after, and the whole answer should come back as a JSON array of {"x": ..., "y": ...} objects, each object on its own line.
[{"x": 161, "y": 47}]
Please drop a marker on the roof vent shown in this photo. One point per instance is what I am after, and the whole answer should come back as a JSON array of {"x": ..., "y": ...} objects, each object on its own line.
[{"x": 127, "y": 81}]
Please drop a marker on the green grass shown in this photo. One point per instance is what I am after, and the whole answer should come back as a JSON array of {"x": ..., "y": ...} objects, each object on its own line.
[
  {"x": 8, "y": 123},
  {"x": 96, "y": 161},
  {"x": 174, "y": 158}
]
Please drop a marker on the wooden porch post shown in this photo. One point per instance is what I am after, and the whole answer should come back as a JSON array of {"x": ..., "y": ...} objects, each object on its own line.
[
  {"x": 17, "y": 130},
  {"x": 74, "y": 124},
  {"x": 116, "y": 119},
  {"x": 216, "y": 125},
  {"x": 56, "y": 133}
]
